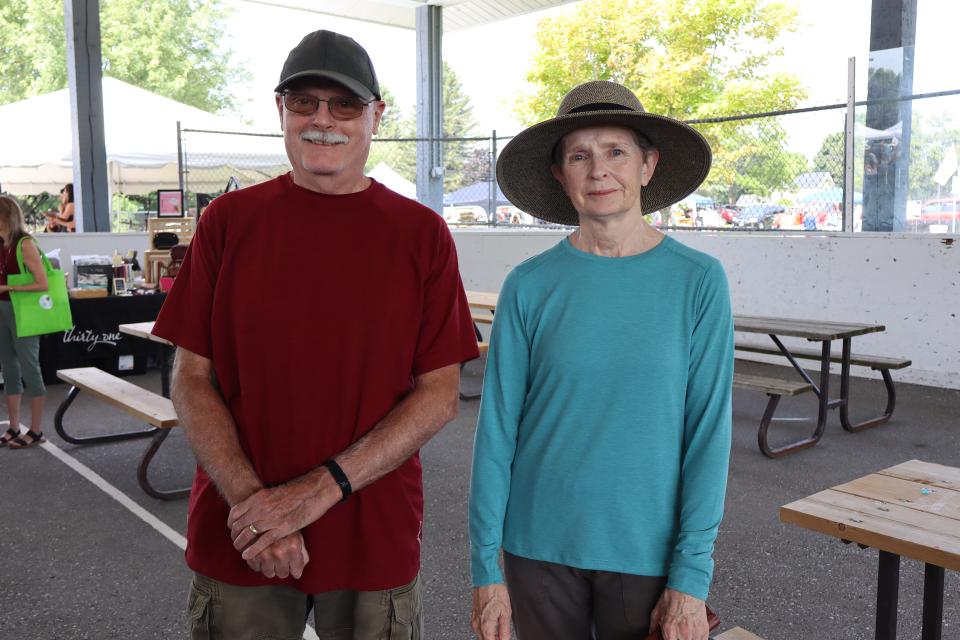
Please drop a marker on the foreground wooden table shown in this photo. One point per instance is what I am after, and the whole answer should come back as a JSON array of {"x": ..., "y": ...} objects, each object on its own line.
[{"x": 912, "y": 510}]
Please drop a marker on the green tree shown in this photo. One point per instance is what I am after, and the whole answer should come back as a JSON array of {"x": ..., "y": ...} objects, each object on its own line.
[
  {"x": 688, "y": 59},
  {"x": 458, "y": 122},
  {"x": 171, "y": 48},
  {"x": 391, "y": 144},
  {"x": 930, "y": 139},
  {"x": 476, "y": 166},
  {"x": 754, "y": 159},
  {"x": 830, "y": 157}
]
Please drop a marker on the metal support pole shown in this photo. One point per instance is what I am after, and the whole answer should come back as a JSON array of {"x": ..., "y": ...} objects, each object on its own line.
[
  {"x": 430, "y": 107},
  {"x": 893, "y": 31},
  {"x": 180, "y": 162},
  {"x": 848, "y": 188},
  {"x": 492, "y": 177},
  {"x": 84, "y": 76}
]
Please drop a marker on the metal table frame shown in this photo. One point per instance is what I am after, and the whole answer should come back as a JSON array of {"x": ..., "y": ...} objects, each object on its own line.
[{"x": 825, "y": 333}]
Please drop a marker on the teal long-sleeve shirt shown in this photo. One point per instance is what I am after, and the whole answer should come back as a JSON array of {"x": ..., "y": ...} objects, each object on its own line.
[{"x": 604, "y": 432}]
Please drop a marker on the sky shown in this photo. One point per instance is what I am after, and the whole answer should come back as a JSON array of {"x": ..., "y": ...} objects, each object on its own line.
[{"x": 492, "y": 60}]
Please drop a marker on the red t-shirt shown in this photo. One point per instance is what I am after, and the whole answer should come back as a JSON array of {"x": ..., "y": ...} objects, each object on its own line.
[{"x": 317, "y": 312}]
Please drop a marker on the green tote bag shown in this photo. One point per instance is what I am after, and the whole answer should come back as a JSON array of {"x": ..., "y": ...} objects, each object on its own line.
[{"x": 39, "y": 312}]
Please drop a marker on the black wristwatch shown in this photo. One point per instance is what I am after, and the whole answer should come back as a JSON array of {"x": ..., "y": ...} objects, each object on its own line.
[{"x": 339, "y": 477}]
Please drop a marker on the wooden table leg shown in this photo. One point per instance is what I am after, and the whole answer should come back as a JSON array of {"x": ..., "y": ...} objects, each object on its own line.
[{"x": 888, "y": 587}]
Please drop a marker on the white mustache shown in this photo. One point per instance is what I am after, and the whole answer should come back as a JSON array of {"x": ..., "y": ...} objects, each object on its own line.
[{"x": 324, "y": 137}]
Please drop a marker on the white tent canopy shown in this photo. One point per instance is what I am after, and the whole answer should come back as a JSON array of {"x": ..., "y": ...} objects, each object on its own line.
[
  {"x": 385, "y": 175},
  {"x": 141, "y": 144}
]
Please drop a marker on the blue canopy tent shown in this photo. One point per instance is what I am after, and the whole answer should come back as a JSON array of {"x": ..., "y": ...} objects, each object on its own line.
[
  {"x": 476, "y": 194},
  {"x": 833, "y": 194},
  {"x": 699, "y": 200}
]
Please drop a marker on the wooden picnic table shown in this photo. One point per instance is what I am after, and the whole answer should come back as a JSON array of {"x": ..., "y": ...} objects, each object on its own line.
[
  {"x": 145, "y": 405},
  {"x": 824, "y": 332},
  {"x": 810, "y": 329},
  {"x": 912, "y": 510},
  {"x": 483, "y": 299},
  {"x": 144, "y": 330}
]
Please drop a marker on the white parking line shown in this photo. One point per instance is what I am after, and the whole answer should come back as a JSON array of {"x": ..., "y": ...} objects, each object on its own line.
[
  {"x": 133, "y": 507},
  {"x": 115, "y": 493}
]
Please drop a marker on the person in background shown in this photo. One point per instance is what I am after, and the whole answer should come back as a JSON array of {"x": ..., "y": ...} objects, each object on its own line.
[
  {"x": 19, "y": 357},
  {"x": 310, "y": 369},
  {"x": 63, "y": 219},
  {"x": 601, "y": 451}
]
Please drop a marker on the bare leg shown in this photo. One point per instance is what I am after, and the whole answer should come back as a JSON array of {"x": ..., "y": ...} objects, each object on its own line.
[
  {"x": 36, "y": 414},
  {"x": 13, "y": 411}
]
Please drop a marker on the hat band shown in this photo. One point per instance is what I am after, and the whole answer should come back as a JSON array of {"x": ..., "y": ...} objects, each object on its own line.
[{"x": 600, "y": 106}]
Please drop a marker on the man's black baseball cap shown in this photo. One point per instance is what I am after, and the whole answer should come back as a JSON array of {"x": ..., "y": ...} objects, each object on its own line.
[{"x": 325, "y": 54}]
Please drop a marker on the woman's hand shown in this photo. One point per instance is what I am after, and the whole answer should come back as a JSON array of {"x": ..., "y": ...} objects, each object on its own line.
[
  {"x": 491, "y": 612},
  {"x": 680, "y": 617},
  {"x": 4, "y": 288}
]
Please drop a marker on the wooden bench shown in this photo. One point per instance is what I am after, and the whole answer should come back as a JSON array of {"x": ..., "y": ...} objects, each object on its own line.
[
  {"x": 883, "y": 364},
  {"x": 145, "y": 405},
  {"x": 738, "y": 633},
  {"x": 483, "y": 347},
  {"x": 482, "y": 318},
  {"x": 775, "y": 388},
  {"x": 877, "y": 363}
]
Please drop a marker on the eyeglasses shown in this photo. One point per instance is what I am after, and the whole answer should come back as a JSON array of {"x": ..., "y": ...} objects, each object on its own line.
[{"x": 341, "y": 107}]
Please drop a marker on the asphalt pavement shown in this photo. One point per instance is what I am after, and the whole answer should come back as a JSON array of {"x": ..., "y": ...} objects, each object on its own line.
[{"x": 80, "y": 560}]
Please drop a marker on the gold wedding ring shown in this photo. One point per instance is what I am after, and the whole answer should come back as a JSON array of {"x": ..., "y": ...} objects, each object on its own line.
[{"x": 253, "y": 530}]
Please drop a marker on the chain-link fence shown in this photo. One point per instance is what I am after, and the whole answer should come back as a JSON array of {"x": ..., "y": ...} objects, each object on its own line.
[{"x": 760, "y": 179}]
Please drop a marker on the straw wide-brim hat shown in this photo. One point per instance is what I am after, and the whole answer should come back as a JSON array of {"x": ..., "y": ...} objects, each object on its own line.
[{"x": 523, "y": 169}]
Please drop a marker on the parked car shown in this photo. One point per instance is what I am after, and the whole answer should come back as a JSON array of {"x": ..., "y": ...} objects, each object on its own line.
[
  {"x": 710, "y": 217},
  {"x": 758, "y": 216},
  {"x": 940, "y": 211},
  {"x": 508, "y": 214},
  {"x": 471, "y": 214},
  {"x": 729, "y": 213}
]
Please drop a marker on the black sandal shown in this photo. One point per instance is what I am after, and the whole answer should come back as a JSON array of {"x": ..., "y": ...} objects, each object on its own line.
[
  {"x": 21, "y": 442},
  {"x": 9, "y": 436}
]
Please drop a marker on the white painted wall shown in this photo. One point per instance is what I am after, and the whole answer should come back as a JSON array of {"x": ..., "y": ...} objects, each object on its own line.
[{"x": 909, "y": 283}]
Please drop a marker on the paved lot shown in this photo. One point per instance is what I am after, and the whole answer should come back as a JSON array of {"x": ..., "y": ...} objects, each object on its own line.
[{"x": 75, "y": 563}]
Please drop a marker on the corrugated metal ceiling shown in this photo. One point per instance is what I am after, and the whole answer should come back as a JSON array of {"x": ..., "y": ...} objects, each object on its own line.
[{"x": 457, "y": 14}]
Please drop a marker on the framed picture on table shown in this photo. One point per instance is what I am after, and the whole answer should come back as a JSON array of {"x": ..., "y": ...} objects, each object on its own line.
[
  {"x": 169, "y": 203},
  {"x": 119, "y": 286},
  {"x": 203, "y": 199}
]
